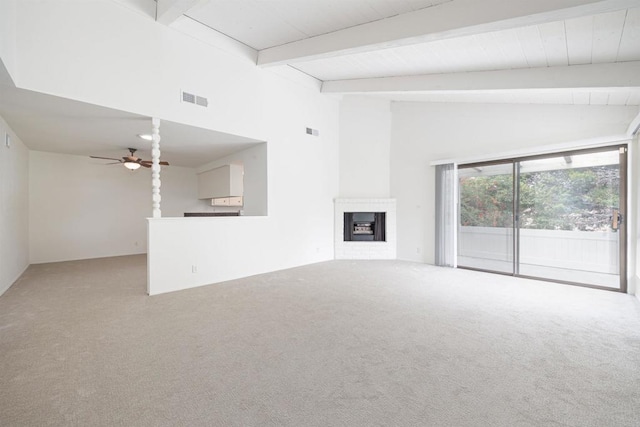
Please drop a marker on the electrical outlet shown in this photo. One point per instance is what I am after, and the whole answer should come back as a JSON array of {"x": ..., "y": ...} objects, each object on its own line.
[{"x": 194, "y": 268}]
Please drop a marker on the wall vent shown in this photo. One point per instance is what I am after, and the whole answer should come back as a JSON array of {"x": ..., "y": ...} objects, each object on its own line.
[
  {"x": 194, "y": 99},
  {"x": 202, "y": 101}
]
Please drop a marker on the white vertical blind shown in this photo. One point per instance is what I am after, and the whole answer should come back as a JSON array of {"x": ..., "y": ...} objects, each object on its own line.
[{"x": 446, "y": 215}]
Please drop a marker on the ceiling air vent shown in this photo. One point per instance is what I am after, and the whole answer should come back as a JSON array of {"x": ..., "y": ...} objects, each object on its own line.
[{"x": 194, "y": 99}]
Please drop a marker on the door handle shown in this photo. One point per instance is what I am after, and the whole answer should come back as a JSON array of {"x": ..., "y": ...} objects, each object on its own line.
[{"x": 616, "y": 220}]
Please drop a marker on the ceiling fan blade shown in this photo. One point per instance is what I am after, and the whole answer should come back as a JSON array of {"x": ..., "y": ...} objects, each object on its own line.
[
  {"x": 149, "y": 162},
  {"x": 145, "y": 165},
  {"x": 105, "y": 158}
]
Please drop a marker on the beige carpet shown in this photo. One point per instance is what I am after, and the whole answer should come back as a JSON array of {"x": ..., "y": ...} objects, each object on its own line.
[{"x": 341, "y": 343}]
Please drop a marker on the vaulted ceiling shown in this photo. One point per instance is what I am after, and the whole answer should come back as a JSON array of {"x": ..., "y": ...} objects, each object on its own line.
[
  {"x": 264, "y": 24},
  {"x": 573, "y": 52},
  {"x": 516, "y": 51}
]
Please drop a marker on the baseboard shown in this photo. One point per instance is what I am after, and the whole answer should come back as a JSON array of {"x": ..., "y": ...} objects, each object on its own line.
[
  {"x": 53, "y": 261},
  {"x": 632, "y": 286},
  {"x": 12, "y": 282}
]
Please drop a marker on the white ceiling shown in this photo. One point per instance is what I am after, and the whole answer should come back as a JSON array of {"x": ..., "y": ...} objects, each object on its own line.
[
  {"x": 602, "y": 38},
  {"x": 612, "y": 97},
  {"x": 470, "y": 51},
  {"x": 311, "y": 33},
  {"x": 266, "y": 23}
]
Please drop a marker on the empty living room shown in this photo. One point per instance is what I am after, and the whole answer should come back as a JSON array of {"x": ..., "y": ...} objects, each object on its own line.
[{"x": 319, "y": 213}]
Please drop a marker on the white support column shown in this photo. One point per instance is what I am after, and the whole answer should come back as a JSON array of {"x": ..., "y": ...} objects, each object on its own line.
[{"x": 155, "y": 167}]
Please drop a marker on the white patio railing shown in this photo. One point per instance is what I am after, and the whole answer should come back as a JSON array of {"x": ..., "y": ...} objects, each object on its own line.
[{"x": 594, "y": 251}]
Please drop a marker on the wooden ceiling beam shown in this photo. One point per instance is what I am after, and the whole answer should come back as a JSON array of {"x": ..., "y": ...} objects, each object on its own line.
[
  {"x": 168, "y": 11},
  {"x": 456, "y": 18},
  {"x": 590, "y": 76}
]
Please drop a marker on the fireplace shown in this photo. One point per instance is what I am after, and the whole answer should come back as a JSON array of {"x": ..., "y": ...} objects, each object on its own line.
[
  {"x": 365, "y": 229},
  {"x": 364, "y": 226}
]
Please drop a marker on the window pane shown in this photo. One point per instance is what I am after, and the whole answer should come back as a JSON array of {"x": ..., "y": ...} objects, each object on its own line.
[
  {"x": 567, "y": 204},
  {"x": 485, "y": 233}
]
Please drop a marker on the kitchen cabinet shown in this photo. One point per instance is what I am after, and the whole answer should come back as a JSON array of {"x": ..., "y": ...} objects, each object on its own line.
[
  {"x": 227, "y": 201},
  {"x": 223, "y": 182}
]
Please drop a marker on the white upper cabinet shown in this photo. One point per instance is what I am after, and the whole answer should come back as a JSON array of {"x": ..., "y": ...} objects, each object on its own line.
[{"x": 225, "y": 181}]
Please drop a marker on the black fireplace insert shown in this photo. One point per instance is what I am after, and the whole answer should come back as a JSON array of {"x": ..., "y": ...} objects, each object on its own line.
[{"x": 364, "y": 226}]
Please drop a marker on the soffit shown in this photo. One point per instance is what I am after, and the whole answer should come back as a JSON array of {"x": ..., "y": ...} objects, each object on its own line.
[{"x": 53, "y": 124}]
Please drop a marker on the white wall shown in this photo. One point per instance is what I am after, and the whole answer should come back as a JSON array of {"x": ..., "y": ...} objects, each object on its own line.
[
  {"x": 8, "y": 35},
  {"x": 422, "y": 133},
  {"x": 71, "y": 49},
  {"x": 365, "y": 145},
  {"x": 14, "y": 208},
  {"x": 141, "y": 69},
  {"x": 80, "y": 208},
  {"x": 302, "y": 180}
]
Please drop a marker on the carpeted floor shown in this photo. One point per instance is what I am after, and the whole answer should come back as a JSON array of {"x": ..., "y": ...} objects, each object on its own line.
[{"x": 343, "y": 343}]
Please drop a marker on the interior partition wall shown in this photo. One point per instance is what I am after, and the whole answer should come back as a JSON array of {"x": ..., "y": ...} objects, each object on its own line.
[{"x": 558, "y": 217}]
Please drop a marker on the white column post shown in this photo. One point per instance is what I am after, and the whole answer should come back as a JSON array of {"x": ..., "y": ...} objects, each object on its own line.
[{"x": 155, "y": 167}]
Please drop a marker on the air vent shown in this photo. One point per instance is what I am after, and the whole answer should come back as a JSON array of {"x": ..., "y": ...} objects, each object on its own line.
[
  {"x": 194, "y": 99},
  {"x": 188, "y": 97},
  {"x": 202, "y": 101}
]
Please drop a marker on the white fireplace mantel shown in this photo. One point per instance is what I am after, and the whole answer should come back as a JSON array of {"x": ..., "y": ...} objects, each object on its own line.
[{"x": 359, "y": 249}]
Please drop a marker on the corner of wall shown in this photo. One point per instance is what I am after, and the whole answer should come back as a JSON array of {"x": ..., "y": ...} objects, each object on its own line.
[{"x": 14, "y": 207}]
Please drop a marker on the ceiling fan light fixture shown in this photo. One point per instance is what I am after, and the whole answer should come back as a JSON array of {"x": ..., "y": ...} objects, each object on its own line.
[
  {"x": 131, "y": 165},
  {"x": 145, "y": 136}
]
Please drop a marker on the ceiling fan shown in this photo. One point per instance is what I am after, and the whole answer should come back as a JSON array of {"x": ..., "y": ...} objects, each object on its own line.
[{"x": 131, "y": 161}]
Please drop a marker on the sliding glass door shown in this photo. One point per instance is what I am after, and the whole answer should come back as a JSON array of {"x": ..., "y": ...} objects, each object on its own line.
[
  {"x": 486, "y": 226},
  {"x": 555, "y": 217}
]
